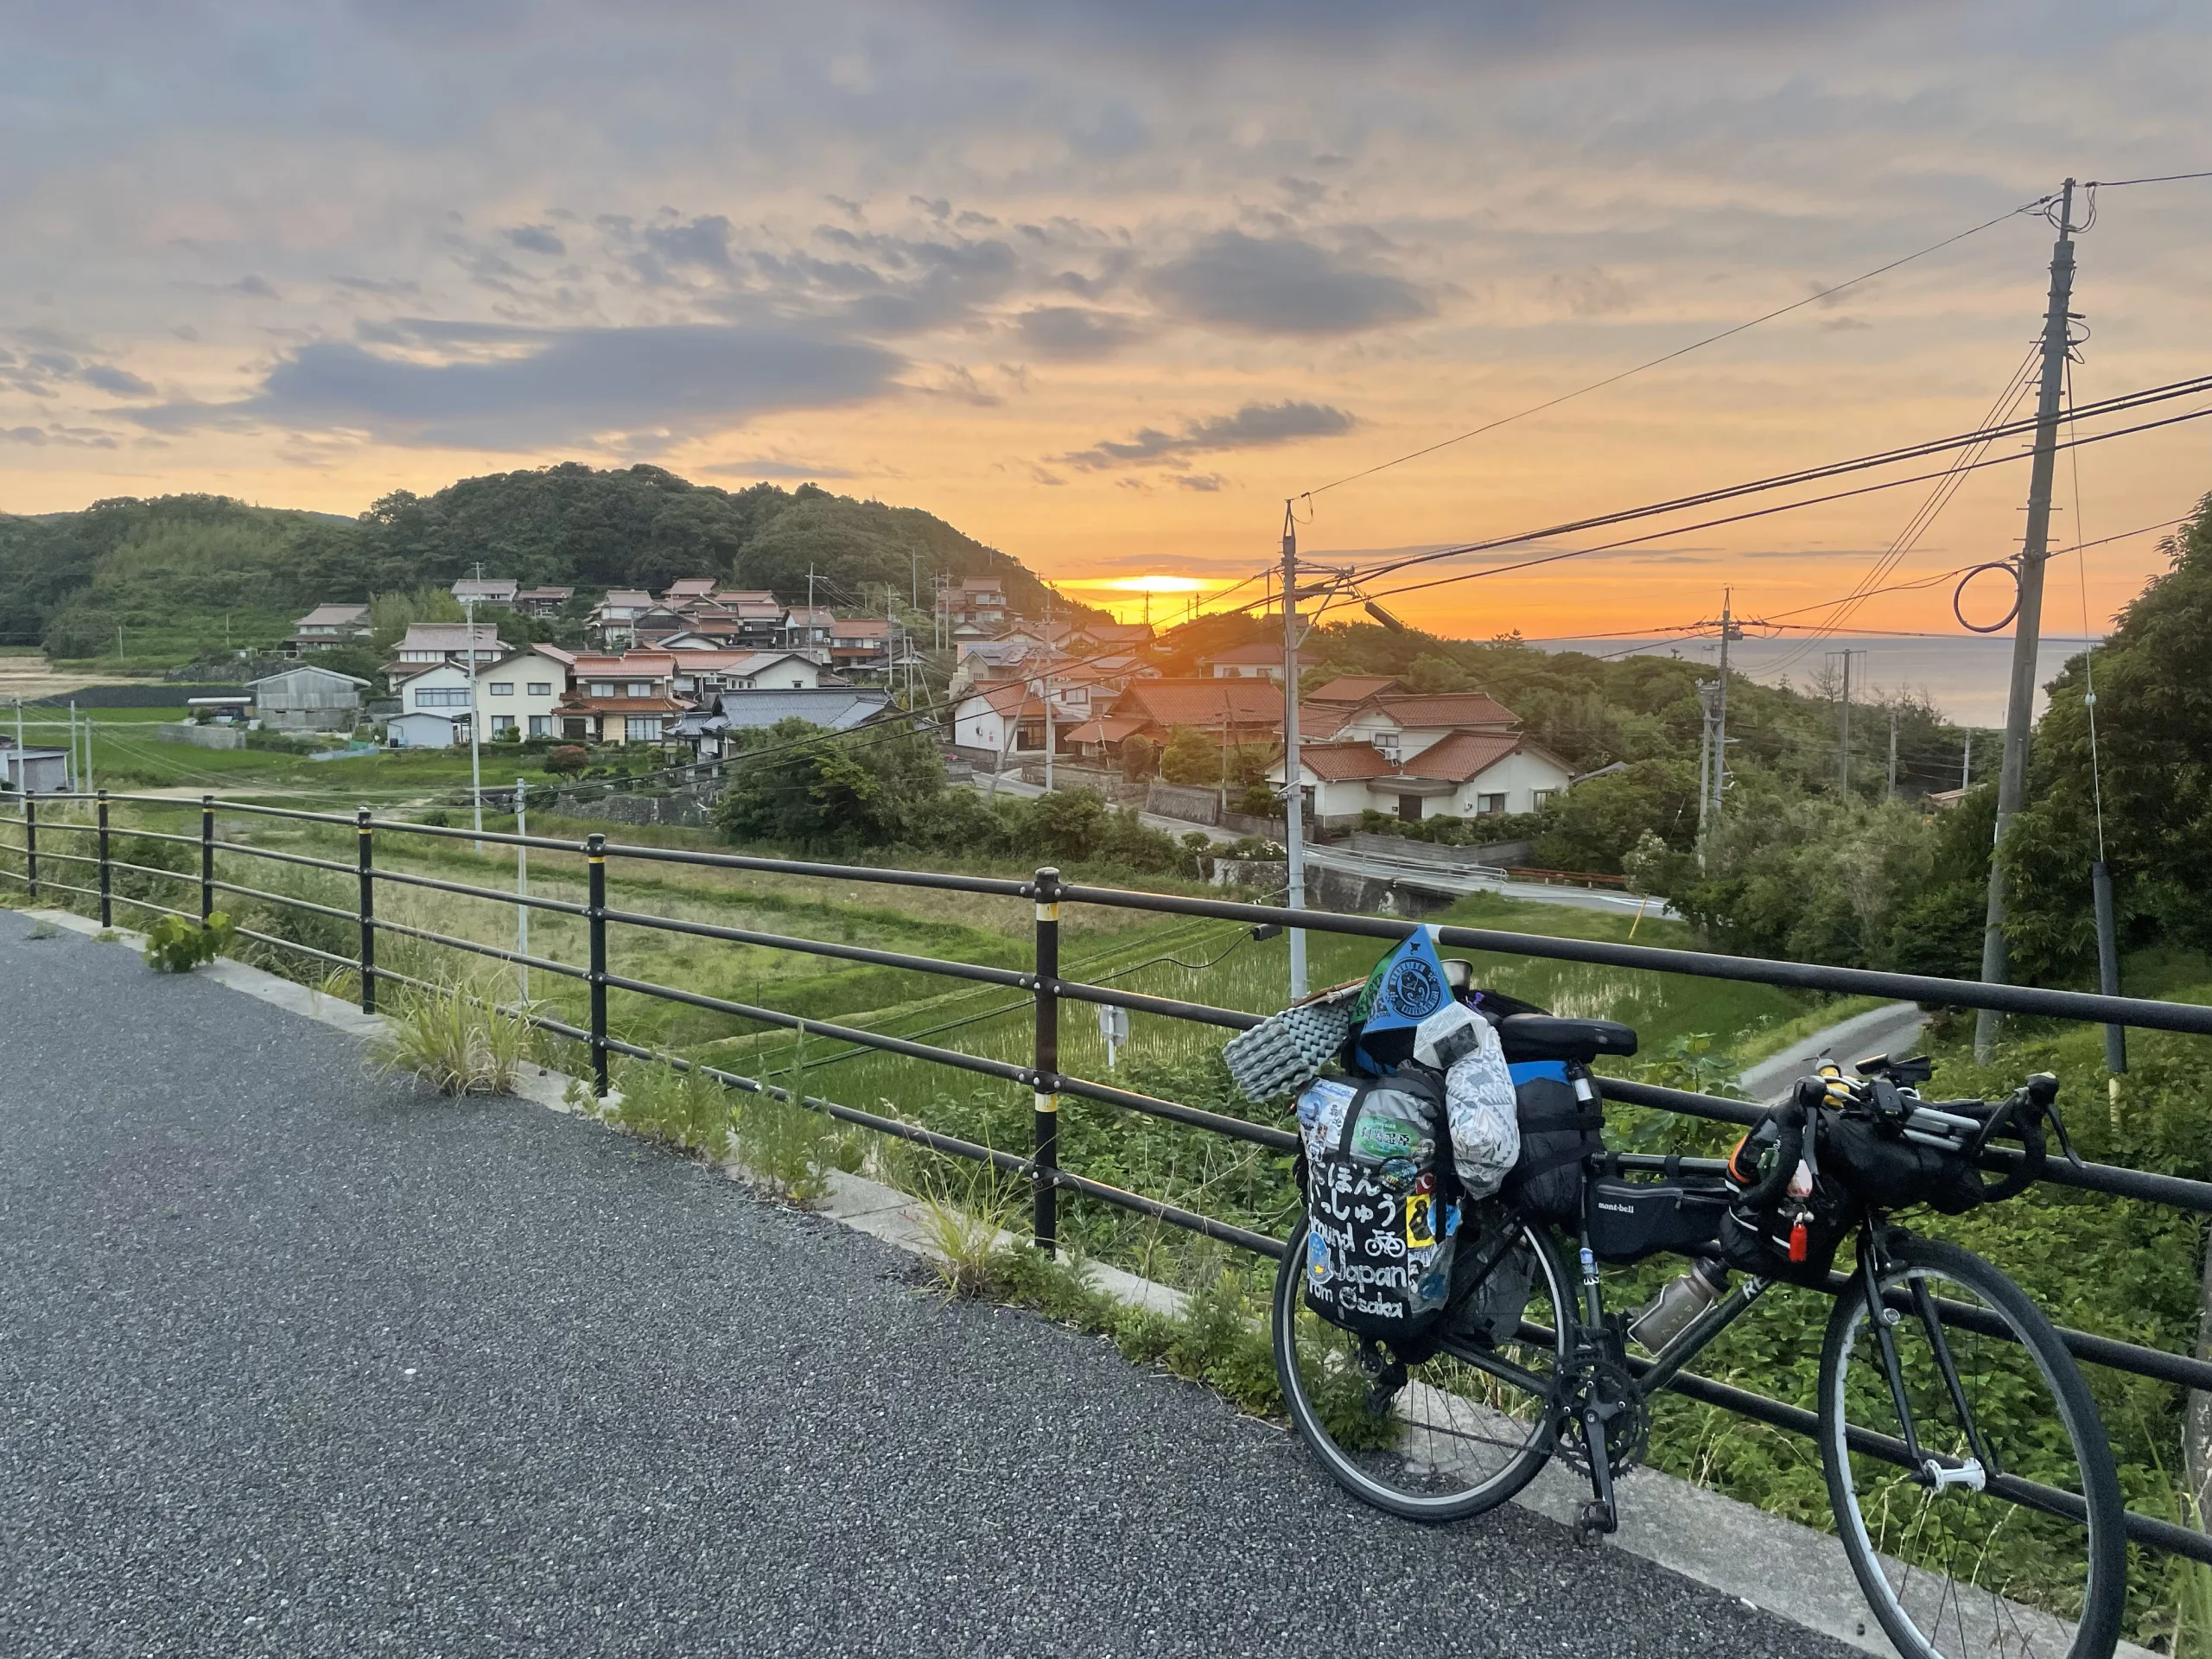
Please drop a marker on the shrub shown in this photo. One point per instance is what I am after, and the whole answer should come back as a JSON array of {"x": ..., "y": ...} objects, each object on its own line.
[
  {"x": 458, "y": 1043},
  {"x": 567, "y": 761},
  {"x": 1140, "y": 758},
  {"x": 685, "y": 1110},
  {"x": 174, "y": 945}
]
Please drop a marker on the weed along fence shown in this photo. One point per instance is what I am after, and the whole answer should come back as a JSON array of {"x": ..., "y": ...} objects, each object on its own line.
[{"x": 76, "y": 849}]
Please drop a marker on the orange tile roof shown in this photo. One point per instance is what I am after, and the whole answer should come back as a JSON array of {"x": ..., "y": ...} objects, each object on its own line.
[
  {"x": 1462, "y": 756},
  {"x": 1207, "y": 705},
  {"x": 1352, "y": 688},
  {"x": 1336, "y": 762},
  {"x": 1447, "y": 708},
  {"x": 1109, "y": 730}
]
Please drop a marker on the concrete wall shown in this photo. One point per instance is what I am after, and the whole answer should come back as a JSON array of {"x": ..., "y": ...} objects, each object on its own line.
[
  {"x": 1500, "y": 854},
  {"x": 1329, "y": 889},
  {"x": 202, "y": 737},
  {"x": 1175, "y": 801}
]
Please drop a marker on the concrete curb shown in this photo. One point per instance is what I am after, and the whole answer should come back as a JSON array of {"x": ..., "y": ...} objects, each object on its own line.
[{"x": 1782, "y": 1568}]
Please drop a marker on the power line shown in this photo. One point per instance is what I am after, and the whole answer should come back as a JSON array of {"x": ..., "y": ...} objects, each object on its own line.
[
  {"x": 1739, "y": 517},
  {"x": 1683, "y": 351},
  {"x": 2163, "y": 178},
  {"x": 1978, "y": 436}
]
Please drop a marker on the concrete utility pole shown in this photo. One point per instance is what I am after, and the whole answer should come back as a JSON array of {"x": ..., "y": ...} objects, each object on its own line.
[
  {"x": 1966, "y": 763},
  {"x": 475, "y": 743},
  {"x": 1293, "y": 795},
  {"x": 1705, "y": 793},
  {"x": 522, "y": 887},
  {"x": 1728, "y": 630},
  {"x": 1843, "y": 739},
  {"x": 2027, "y": 625},
  {"x": 1893, "y": 754}
]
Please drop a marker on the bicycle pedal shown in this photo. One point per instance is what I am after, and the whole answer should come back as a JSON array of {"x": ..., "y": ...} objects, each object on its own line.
[{"x": 1594, "y": 1522}]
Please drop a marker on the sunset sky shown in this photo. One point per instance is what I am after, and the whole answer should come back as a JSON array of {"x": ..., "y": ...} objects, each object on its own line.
[{"x": 1103, "y": 283}]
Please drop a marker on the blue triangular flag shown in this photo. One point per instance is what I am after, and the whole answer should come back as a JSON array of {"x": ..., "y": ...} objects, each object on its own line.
[{"x": 1409, "y": 985}]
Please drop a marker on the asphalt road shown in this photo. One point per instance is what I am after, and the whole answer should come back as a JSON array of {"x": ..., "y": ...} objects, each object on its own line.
[{"x": 294, "y": 1360}]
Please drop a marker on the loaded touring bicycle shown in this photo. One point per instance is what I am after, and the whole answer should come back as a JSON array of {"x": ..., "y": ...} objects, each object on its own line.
[{"x": 1441, "y": 1333}]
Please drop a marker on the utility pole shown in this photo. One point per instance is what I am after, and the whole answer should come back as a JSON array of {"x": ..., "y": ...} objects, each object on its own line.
[
  {"x": 522, "y": 887},
  {"x": 2027, "y": 625},
  {"x": 1707, "y": 796},
  {"x": 1966, "y": 763},
  {"x": 1729, "y": 630},
  {"x": 1293, "y": 795},
  {"x": 1843, "y": 740},
  {"x": 1893, "y": 753},
  {"x": 475, "y": 737}
]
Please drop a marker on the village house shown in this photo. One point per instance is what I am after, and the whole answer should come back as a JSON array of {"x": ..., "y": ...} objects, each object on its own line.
[
  {"x": 326, "y": 625},
  {"x": 517, "y": 693},
  {"x": 544, "y": 601},
  {"x": 715, "y": 731},
  {"x": 307, "y": 699},
  {"x": 860, "y": 644},
  {"x": 978, "y": 601},
  {"x": 612, "y": 619},
  {"x": 438, "y": 642},
  {"x": 1371, "y": 746},
  {"x": 484, "y": 590},
  {"x": 1236, "y": 712},
  {"x": 1260, "y": 662},
  {"x": 702, "y": 674},
  {"x": 809, "y": 631},
  {"x": 625, "y": 699}
]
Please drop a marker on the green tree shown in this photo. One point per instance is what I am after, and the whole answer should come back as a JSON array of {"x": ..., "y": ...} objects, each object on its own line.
[
  {"x": 1191, "y": 757},
  {"x": 1591, "y": 825},
  {"x": 798, "y": 785},
  {"x": 2152, "y": 765},
  {"x": 1139, "y": 760}
]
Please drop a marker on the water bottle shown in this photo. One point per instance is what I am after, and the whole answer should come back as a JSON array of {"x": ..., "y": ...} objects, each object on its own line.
[{"x": 1668, "y": 1314}]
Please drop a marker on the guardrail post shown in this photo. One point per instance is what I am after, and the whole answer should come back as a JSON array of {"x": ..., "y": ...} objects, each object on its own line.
[
  {"x": 1046, "y": 1123},
  {"x": 365, "y": 836},
  {"x": 207, "y": 857},
  {"x": 107, "y": 890},
  {"x": 596, "y": 916},
  {"x": 30, "y": 843}
]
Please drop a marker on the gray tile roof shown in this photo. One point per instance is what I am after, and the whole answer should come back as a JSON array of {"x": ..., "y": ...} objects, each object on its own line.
[{"x": 833, "y": 708}]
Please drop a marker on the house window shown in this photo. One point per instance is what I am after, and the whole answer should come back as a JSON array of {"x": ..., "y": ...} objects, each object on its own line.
[
  {"x": 439, "y": 696},
  {"x": 502, "y": 688},
  {"x": 541, "y": 725},
  {"x": 502, "y": 724},
  {"x": 541, "y": 688},
  {"x": 1029, "y": 735},
  {"x": 602, "y": 688},
  {"x": 1386, "y": 743},
  {"x": 1490, "y": 806},
  {"x": 1543, "y": 796},
  {"x": 642, "y": 728},
  {"x": 641, "y": 689}
]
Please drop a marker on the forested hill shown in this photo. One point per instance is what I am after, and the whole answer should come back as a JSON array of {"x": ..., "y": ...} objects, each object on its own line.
[{"x": 183, "y": 575}]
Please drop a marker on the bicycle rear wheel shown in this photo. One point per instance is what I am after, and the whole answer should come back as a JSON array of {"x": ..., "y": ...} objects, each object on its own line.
[
  {"x": 2015, "y": 1545},
  {"x": 1469, "y": 1426}
]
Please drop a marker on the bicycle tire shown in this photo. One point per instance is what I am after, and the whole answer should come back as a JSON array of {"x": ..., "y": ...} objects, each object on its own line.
[
  {"x": 1914, "y": 1586},
  {"x": 1367, "y": 1473}
]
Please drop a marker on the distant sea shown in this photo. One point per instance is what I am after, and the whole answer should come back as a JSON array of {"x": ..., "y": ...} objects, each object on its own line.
[{"x": 1964, "y": 675}]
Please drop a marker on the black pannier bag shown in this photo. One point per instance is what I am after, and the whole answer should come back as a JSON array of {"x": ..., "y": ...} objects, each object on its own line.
[
  {"x": 1561, "y": 1119},
  {"x": 1382, "y": 1204},
  {"x": 1630, "y": 1220},
  {"x": 1493, "y": 1271}
]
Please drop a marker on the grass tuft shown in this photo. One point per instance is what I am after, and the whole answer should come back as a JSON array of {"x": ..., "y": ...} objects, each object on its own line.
[{"x": 455, "y": 1041}]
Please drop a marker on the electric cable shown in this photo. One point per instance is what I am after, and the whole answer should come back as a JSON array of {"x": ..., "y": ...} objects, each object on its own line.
[
  {"x": 2089, "y": 656},
  {"x": 1979, "y": 435},
  {"x": 1758, "y": 512},
  {"x": 1683, "y": 351}
]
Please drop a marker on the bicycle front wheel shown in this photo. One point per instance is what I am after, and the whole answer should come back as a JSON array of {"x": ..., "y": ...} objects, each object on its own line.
[
  {"x": 2007, "y": 1539},
  {"x": 1461, "y": 1431}
]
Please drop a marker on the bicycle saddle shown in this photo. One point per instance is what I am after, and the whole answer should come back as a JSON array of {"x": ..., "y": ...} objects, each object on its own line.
[{"x": 1549, "y": 1036}]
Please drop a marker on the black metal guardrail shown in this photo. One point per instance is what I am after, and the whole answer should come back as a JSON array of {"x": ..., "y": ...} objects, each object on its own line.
[{"x": 1046, "y": 989}]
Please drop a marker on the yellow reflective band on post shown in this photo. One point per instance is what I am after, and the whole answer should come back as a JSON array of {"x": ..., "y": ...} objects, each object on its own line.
[
  {"x": 595, "y": 858},
  {"x": 1048, "y": 912},
  {"x": 1048, "y": 1103}
]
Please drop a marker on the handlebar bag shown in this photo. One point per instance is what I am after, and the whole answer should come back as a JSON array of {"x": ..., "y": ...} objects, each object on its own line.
[
  {"x": 1382, "y": 1206},
  {"x": 1890, "y": 1172},
  {"x": 1561, "y": 1119},
  {"x": 1756, "y": 1238}
]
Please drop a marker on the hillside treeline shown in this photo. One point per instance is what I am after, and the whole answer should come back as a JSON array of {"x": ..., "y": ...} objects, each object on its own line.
[{"x": 192, "y": 576}]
